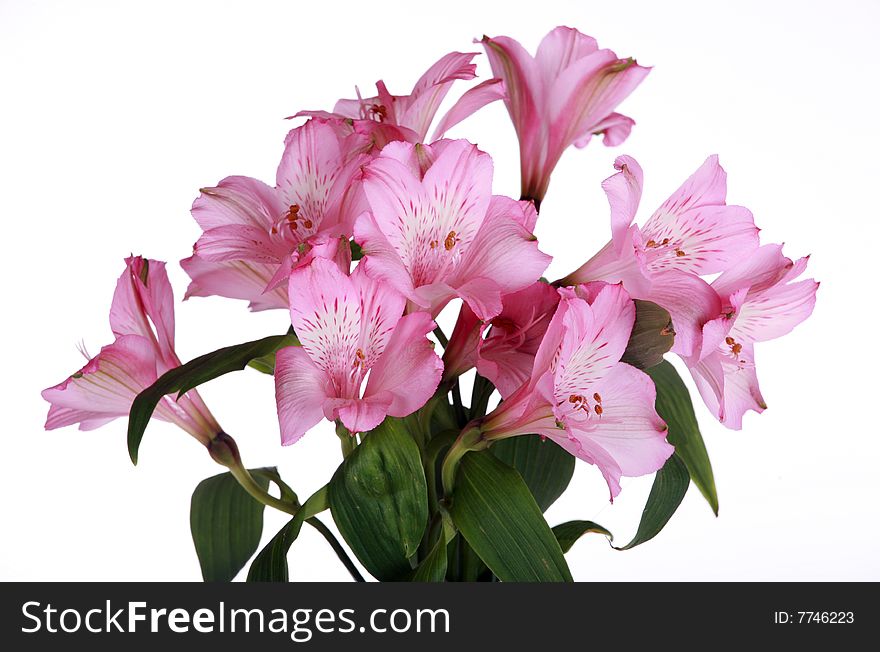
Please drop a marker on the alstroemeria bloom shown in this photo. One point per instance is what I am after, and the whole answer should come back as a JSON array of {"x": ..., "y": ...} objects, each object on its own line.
[
  {"x": 563, "y": 95},
  {"x": 693, "y": 233},
  {"x": 581, "y": 396},
  {"x": 388, "y": 117},
  {"x": 435, "y": 231},
  {"x": 360, "y": 359},
  {"x": 761, "y": 300},
  {"x": 142, "y": 319},
  {"x": 254, "y": 234},
  {"x": 506, "y": 354}
]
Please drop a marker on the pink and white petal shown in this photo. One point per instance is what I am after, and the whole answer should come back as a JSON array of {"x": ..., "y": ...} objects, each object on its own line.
[
  {"x": 552, "y": 341},
  {"x": 705, "y": 187},
  {"x": 595, "y": 338},
  {"x": 459, "y": 186},
  {"x": 624, "y": 192},
  {"x": 301, "y": 389},
  {"x": 429, "y": 91},
  {"x": 409, "y": 369},
  {"x": 447, "y": 69},
  {"x": 626, "y": 266},
  {"x": 701, "y": 240},
  {"x": 240, "y": 242},
  {"x": 107, "y": 385},
  {"x": 507, "y": 368},
  {"x": 381, "y": 260},
  {"x": 560, "y": 48},
  {"x": 432, "y": 298},
  {"x": 143, "y": 304},
  {"x": 690, "y": 301},
  {"x": 360, "y": 415},
  {"x": 589, "y": 451},
  {"x": 774, "y": 312},
  {"x": 237, "y": 200},
  {"x": 469, "y": 103},
  {"x": 629, "y": 429},
  {"x": 729, "y": 389},
  {"x": 325, "y": 311},
  {"x": 460, "y": 354},
  {"x": 763, "y": 269},
  {"x": 234, "y": 280},
  {"x": 381, "y": 307},
  {"x": 504, "y": 251}
]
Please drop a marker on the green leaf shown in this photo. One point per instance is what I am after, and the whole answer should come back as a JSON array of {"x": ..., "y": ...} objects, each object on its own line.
[
  {"x": 266, "y": 363},
  {"x": 226, "y": 524},
  {"x": 675, "y": 407},
  {"x": 651, "y": 336},
  {"x": 195, "y": 372},
  {"x": 670, "y": 486},
  {"x": 433, "y": 567},
  {"x": 379, "y": 500},
  {"x": 568, "y": 533},
  {"x": 498, "y": 516},
  {"x": 271, "y": 564},
  {"x": 543, "y": 464}
]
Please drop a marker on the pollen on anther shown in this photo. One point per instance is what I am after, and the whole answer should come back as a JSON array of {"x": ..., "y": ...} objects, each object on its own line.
[
  {"x": 450, "y": 241},
  {"x": 598, "y": 409},
  {"x": 308, "y": 224},
  {"x": 679, "y": 253},
  {"x": 597, "y": 398},
  {"x": 729, "y": 341}
]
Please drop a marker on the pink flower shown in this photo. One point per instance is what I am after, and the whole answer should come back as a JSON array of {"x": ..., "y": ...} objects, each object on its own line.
[
  {"x": 581, "y": 396},
  {"x": 435, "y": 231},
  {"x": 506, "y": 355},
  {"x": 254, "y": 234},
  {"x": 693, "y": 233},
  {"x": 760, "y": 301},
  {"x": 142, "y": 319},
  {"x": 360, "y": 360},
  {"x": 387, "y": 117},
  {"x": 563, "y": 95}
]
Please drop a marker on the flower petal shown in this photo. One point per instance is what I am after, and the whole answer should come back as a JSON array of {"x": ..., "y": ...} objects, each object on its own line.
[
  {"x": 624, "y": 192},
  {"x": 729, "y": 388},
  {"x": 301, "y": 389},
  {"x": 561, "y": 48},
  {"x": 408, "y": 371},
  {"x": 235, "y": 280},
  {"x": 237, "y": 200},
  {"x": 469, "y": 103}
]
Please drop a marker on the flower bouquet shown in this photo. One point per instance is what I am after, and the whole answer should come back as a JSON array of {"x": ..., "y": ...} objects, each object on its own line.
[{"x": 369, "y": 232}]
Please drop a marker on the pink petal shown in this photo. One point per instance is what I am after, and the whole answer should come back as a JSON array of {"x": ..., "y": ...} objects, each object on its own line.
[
  {"x": 301, "y": 389},
  {"x": 629, "y": 437},
  {"x": 624, "y": 192},
  {"x": 241, "y": 242},
  {"x": 236, "y": 280},
  {"x": 431, "y": 89},
  {"x": 408, "y": 370},
  {"x": 469, "y": 103},
  {"x": 511, "y": 63},
  {"x": 143, "y": 304},
  {"x": 690, "y": 301},
  {"x": 359, "y": 415},
  {"x": 695, "y": 231},
  {"x": 106, "y": 386},
  {"x": 381, "y": 260},
  {"x": 503, "y": 251},
  {"x": 460, "y": 354},
  {"x": 507, "y": 355},
  {"x": 728, "y": 388},
  {"x": 774, "y": 312},
  {"x": 583, "y": 96},
  {"x": 325, "y": 311},
  {"x": 237, "y": 200},
  {"x": 561, "y": 48},
  {"x": 615, "y": 129}
]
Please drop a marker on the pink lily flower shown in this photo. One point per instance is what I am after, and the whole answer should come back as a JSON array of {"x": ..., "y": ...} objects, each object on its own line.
[
  {"x": 760, "y": 301},
  {"x": 581, "y": 396},
  {"x": 563, "y": 95},
  {"x": 435, "y": 231},
  {"x": 388, "y": 117},
  {"x": 360, "y": 359},
  {"x": 693, "y": 233},
  {"x": 254, "y": 234},
  {"x": 142, "y": 319},
  {"x": 506, "y": 355}
]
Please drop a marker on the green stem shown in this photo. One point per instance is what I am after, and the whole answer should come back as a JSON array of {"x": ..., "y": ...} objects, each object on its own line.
[
  {"x": 347, "y": 441},
  {"x": 337, "y": 548},
  {"x": 249, "y": 484},
  {"x": 441, "y": 337},
  {"x": 460, "y": 414},
  {"x": 470, "y": 439}
]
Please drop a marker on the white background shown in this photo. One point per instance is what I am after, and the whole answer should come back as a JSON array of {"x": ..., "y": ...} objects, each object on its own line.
[{"x": 112, "y": 115}]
